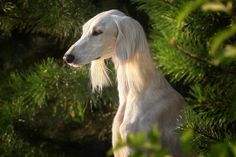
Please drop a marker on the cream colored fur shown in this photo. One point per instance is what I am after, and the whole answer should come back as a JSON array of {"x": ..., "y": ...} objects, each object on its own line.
[{"x": 145, "y": 97}]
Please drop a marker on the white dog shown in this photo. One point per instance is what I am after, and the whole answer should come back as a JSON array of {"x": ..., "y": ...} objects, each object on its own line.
[{"x": 145, "y": 97}]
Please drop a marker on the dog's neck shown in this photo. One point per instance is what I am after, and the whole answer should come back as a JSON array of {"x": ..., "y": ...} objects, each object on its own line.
[{"x": 134, "y": 74}]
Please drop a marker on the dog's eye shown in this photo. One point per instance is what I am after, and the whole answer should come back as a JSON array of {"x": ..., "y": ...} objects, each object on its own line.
[{"x": 96, "y": 32}]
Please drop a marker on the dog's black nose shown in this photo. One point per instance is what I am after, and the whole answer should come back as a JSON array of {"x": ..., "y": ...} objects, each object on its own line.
[{"x": 69, "y": 58}]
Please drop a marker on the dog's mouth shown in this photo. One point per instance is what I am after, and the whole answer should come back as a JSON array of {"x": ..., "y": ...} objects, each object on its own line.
[
  {"x": 77, "y": 64},
  {"x": 98, "y": 58}
]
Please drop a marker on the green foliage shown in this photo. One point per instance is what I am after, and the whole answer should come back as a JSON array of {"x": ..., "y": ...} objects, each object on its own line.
[
  {"x": 56, "y": 92},
  {"x": 148, "y": 145},
  {"x": 186, "y": 142},
  {"x": 221, "y": 37},
  {"x": 59, "y": 19},
  {"x": 164, "y": 35},
  {"x": 11, "y": 145},
  {"x": 221, "y": 52},
  {"x": 182, "y": 51},
  {"x": 33, "y": 30},
  {"x": 144, "y": 143},
  {"x": 187, "y": 9},
  {"x": 49, "y": 84},
  {"x": 223, "y": 150}
]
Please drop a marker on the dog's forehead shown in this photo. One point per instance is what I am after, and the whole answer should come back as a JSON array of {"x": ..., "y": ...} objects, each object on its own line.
[
  {"x": 102, "y": 18},
  {"x": 101, "y": 21}
]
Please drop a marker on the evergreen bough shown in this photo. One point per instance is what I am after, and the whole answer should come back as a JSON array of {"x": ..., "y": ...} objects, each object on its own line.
[
  {"x": 58, "y": 19},
  {"x": 52, "y": 103}
]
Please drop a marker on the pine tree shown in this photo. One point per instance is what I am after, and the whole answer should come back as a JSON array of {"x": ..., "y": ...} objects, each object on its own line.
[{"x": 193, "y": 42}]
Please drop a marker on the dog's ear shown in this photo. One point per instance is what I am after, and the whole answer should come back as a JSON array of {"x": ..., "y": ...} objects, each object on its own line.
[{"x": 130, "y": 38}]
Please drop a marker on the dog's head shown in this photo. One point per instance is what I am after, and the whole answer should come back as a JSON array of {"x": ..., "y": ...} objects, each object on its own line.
[{"x": 108, "y": 32}]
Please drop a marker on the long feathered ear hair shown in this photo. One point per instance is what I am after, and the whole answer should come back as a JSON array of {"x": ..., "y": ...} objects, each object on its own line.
[
  {"x": 130, "y": 39},
  {"x": 133, "y": 54}
]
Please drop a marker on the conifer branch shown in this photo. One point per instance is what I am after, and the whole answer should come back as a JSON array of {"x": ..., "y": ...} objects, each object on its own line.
[
  {"x": 206, "y": 135},
  {"x": 189, "y": 54},
  {"x": 195, "y": 57}
]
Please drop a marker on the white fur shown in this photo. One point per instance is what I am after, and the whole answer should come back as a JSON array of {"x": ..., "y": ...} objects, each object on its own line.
[
  {"x": 99, "y": 76},
  {"x": 145, "y": 97}
]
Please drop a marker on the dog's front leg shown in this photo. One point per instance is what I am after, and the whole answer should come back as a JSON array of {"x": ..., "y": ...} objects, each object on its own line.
[
  {"x": 116, "y": 137},
  {"x": 125, "y": 129}
]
